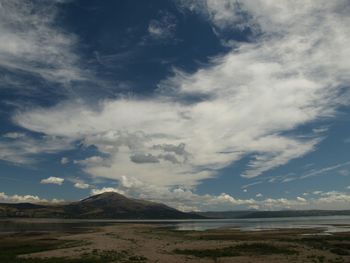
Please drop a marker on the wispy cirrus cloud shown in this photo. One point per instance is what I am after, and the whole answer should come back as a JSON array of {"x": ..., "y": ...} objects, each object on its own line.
[
  {"x": 30, "y": 43},
  {"x": 325, "y": 170},
  {"x": 162, "y": 28},
  {"x": 21, "y": 148},
  {"x": 335, "y": 169}
]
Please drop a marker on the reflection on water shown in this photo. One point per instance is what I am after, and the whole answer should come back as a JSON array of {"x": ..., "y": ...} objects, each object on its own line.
[
  {"x": 329, "y": 224},
  {"x": 47, "y": 225}
]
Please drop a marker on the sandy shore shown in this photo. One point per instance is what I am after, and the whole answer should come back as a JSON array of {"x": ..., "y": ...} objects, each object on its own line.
[{"x": 153, "y": 243}]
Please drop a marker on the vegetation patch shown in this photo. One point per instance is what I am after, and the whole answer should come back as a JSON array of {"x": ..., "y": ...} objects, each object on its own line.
[
  {"x": 112, "y": 256},
  {"x": 264, "y": 249},
  {"x": 210, "y": 253},
  {"x": 12, "y": 248},
  {"x": 340, "y": 251},
  {"x": 331, "y": 244},
  {"x": 239, "y": 250}
]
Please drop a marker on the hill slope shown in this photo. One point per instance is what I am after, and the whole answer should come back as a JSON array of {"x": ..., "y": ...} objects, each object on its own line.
[
  {"x": 272, "y": 214},
  {"x": 103, "y": 206}
]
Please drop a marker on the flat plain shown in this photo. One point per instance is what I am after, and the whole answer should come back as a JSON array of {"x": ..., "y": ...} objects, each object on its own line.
[{"x": 157, "y": 243}]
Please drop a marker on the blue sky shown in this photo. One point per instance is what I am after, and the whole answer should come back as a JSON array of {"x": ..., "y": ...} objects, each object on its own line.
[{"x": 202, "y": 105}]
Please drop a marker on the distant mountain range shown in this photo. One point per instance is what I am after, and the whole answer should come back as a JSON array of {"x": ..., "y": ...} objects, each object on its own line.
[
  {"x": 108, "y": 205},
  {"x": 111, "y": 205},
  {"x": 272, "y": 214}
]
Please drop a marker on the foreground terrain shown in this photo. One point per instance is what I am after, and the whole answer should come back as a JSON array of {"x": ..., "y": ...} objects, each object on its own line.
[{"x": 154, "y": 243}]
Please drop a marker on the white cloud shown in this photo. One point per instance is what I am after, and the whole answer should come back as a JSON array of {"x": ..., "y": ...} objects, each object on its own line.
[
  {"x": 106, "y": 189},
  {"x": 252, "y": 184},
  {"x": 25, "y": 199},
  {"x": 289, "y": 179},
  {"x": 301, "y": 199},
  {"x": 78, "y": 183},
  {"x": 13, "y": 135},
  {"x": 259, "y": 195},
  {"x": 20, "y": 198},
  {"x": 334, "y": 197},
  {"x": 64, "y": 160},
  {"x": 52, "y": 180},
  {"x": 81, "y": 185},
  {"x": 223, "y": 14},
  {"x": 163, "y": 27},
  {"x": 320, "y": 130}
]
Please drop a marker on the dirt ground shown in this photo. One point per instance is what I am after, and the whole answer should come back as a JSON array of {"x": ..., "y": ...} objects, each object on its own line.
[{"x": 154, "y": 243}]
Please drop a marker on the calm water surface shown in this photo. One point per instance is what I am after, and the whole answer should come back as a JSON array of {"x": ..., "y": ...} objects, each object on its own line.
[{"x": 328, "y": 224}]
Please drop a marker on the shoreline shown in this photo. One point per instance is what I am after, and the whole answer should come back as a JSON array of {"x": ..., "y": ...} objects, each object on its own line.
[{"x": 330, "y": 224}]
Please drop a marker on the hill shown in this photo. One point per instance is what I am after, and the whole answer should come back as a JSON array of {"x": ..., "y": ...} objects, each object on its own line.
[
  {"x": 272, "y": 214},
  {"x": 108, "y": 205}
]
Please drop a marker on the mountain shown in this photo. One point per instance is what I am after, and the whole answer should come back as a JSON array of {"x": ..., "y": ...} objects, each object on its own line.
[
  {"x": 107, "y": 205},
  {"x": 272, "y": 214},
  {"x": 224, "y": 214}
]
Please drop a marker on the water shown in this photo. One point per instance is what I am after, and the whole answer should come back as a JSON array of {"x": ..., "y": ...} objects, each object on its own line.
[
  {"x": 329, "y": 224},
  {"x": 47, "y": 225}
]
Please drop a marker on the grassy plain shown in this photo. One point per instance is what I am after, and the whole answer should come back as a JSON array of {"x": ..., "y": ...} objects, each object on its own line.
[{"x": 128, "y": 243}]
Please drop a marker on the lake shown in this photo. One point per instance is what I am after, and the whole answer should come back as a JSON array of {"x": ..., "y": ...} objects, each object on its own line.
[{"x": 329, "y": 224}]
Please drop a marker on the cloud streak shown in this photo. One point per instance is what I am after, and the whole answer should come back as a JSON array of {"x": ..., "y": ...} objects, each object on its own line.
[
  {"x": 21, "y": 148},
  {"x": 31, "y": 44}
]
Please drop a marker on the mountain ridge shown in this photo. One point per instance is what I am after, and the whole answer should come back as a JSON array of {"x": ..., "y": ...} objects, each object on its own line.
[
  {"x": 271, "y": 214},
  {"x": 108, "y": 205}
]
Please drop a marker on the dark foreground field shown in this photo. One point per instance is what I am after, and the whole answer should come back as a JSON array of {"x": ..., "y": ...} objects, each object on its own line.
[{"x": 151, "y": 243}]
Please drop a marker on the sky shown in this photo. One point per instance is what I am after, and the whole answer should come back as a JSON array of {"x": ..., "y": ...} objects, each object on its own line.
[{"x": 198, "y": 104}]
